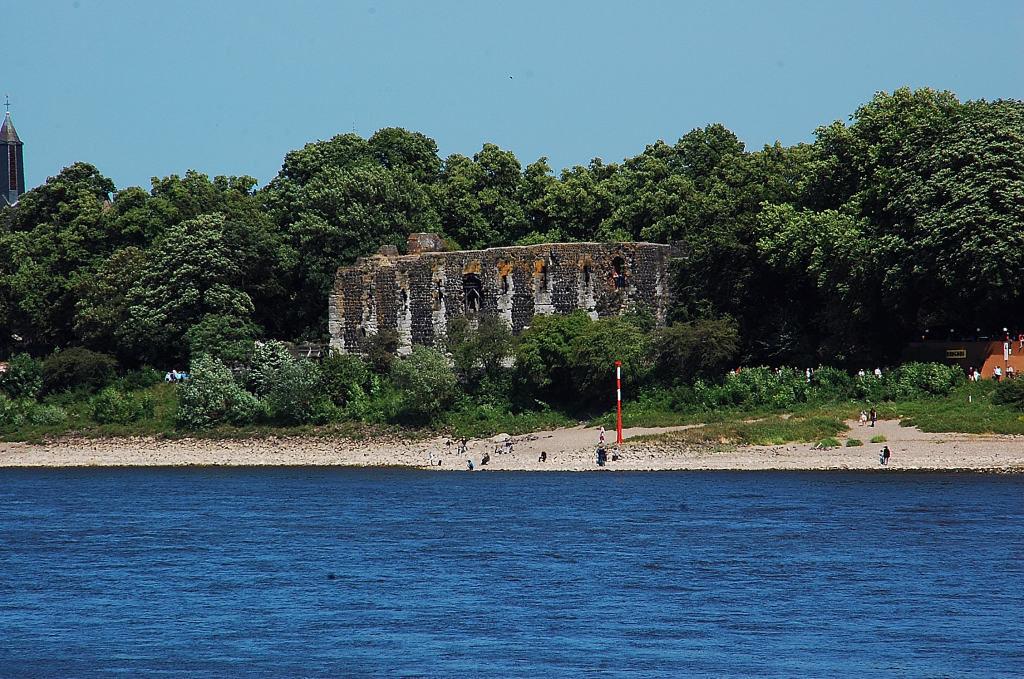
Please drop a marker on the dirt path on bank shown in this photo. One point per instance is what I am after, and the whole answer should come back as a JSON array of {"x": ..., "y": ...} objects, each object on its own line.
[{"x": 570, "y": 449}]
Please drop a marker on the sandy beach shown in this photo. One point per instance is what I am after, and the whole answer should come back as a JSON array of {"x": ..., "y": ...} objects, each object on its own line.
[{"x": 569, "y": 449}]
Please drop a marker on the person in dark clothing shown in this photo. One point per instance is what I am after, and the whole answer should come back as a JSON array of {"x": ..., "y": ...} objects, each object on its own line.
[
  {"x": 873, "y": 416},
  {"x": 485, "y": 459},
  {"x": 602, "y": 457},
  {"x": 885, "y": 456},
  {"x": 543, "y": 456}
]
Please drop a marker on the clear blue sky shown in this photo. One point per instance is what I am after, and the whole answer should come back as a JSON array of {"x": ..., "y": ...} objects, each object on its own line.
[{"x": 146, "y": 88}]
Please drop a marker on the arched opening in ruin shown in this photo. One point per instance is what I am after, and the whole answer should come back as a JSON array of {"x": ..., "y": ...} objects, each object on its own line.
[
  {"x": 473, "y": 292},
  {"x": 438, "y": 294},
  {"x": 619, "y": 272},
  {"x": 586, "y": 274}
]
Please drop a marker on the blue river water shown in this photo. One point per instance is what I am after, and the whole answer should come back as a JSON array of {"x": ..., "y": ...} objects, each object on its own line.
[{"x": 325, "y": 572}]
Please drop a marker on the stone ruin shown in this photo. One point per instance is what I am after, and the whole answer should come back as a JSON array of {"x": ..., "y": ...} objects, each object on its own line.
[{"x": 418, "y": 294}]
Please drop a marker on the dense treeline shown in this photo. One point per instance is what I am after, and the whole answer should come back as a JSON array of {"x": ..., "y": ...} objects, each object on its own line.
[{"x": 836, "y": 252}]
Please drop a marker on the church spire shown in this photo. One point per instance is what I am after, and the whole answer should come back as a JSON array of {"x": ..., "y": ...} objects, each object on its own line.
[{"x": 12, "y": 170}]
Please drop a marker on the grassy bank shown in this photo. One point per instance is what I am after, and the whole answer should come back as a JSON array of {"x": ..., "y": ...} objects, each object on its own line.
[{"x": 968, "y": 408}]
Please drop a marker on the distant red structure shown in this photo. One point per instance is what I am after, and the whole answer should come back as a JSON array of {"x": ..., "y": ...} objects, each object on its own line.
[{"x": 984, "y": 356}]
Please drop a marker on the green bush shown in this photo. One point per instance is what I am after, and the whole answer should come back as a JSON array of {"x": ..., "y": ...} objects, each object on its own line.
[
  {"x": 288, "y": 387},
  {"x": 879, "y": 439},
  {"x": 210, "y": 396},
  {"x": 1010, "y": 392},
  {"x": 23, "y": 377},
  {"x": 112, "y": 406},
  {"x": 829, "y": 383},
  {"x": 698, "y": 348},
  {"x": 344, "y": 378},
  {"x": 594, "y": 353},
  {"x": 481, "y": 353},
  {"x": 426, "y": 384},
  {"x": 77, "y": 369},
  {"x": 754, "y": 387},
  {"x": 46, "y": 414},
  {"x": 18, "y": 412},
  {"x": 143, "y": 378},
  {"x": 914, "y": 380},
  {"x": 853, "y": 443},
  {"x": 381, "y": 350},
  {"x": 10, "y": 412}
]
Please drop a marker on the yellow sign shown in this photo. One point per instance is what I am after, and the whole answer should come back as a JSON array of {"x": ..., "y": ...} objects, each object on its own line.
[{"x": 956, "y": 353}]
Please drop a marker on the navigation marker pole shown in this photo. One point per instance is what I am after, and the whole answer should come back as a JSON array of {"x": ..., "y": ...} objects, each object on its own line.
[{"x": 618, "y": 396}]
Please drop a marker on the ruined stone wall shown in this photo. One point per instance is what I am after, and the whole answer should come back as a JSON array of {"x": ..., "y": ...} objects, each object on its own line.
[{"x": 418, "y": 295}]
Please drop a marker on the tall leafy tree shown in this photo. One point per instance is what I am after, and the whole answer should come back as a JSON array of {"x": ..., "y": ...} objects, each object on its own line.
[
  {"x": 479, "y": 201},
  {"x": 188, "y": 299}
]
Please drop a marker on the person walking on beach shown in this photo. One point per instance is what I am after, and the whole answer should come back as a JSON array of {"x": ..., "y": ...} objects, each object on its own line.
[
  {"x": 863, "y": 417},
  {"x": 885, "y": 456},
  {"x": 874, "y": 415},
  {"x": 601, "y": 438}
]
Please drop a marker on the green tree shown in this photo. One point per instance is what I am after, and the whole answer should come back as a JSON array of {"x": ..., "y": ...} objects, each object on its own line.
[
  {"x": 210, "y": 396},
  {"x": 78, "y": 369},
  {"x": 288, "y": 387},
  {"x": 545, "y": 354},
  {"x": 345, "y": 378},
  {"x": 348, "y": 214},
  {"x": 426, "y": 383},
  {"x": 594, "y": 354},
  {"x": 191, "y": 281},
  {"x": 700, "y": 348},
  {"x": 479, "y": 201},
  {"x": 57, "y": 233},
  {"x": 22, "y": 378}
]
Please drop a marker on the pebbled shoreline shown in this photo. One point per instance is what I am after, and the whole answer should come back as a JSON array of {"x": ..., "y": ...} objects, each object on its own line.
[{"x": 570, "y": 449}]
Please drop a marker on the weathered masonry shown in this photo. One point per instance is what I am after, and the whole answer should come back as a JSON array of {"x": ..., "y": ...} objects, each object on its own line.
[{"x": 420, "y": 293}]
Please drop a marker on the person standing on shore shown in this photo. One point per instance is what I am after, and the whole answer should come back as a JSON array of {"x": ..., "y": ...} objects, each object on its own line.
[
  {"x": 885, "y": 454},
  {"x": 601, "y": 437},
  {"x": 874, "y": 415},
  {"x": 863, "y": 417}
]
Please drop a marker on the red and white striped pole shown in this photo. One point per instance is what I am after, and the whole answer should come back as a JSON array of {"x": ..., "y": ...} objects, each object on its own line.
[{"x": 618, "y": 396}]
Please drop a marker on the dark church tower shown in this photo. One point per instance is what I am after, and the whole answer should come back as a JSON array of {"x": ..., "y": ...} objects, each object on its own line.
[{"x": 12, "y": 168}]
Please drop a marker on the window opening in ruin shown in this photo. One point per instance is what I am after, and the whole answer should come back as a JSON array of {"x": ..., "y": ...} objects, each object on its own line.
[
  {"x": 473, "y": 291},
  {"x": 544, "y": 276},
  {"x": 619, "y": 272},
  {"x": 504, "y": 285},
  {"x": 586, "y": 274},
  {"x": 438, "y": 295}
]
